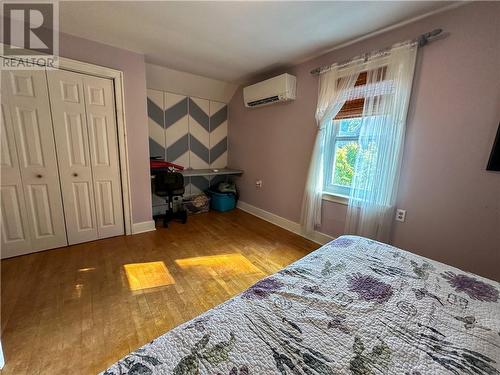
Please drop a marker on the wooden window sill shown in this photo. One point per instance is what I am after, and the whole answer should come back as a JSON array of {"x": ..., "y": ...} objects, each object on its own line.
[{"x": 340, "y": 199}]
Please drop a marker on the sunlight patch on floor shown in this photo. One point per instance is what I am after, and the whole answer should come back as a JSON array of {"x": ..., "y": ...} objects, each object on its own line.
[
  {"x": 147, "y": 275},
  {"x": 227, "y": 264},
  {"x": 86, "y": 269}
]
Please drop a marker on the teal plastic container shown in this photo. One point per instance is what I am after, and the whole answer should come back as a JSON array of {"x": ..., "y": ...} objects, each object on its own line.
[{"x": 222, "y": 201}]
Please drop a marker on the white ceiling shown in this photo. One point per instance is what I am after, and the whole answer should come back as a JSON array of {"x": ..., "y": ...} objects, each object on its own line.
[{"x": 231, "y": 41}]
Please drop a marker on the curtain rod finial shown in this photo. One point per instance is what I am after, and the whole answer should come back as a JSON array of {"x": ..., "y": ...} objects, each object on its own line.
[
  {"x": 315, "y": 71},
  {"x": 424, "y": 38}
]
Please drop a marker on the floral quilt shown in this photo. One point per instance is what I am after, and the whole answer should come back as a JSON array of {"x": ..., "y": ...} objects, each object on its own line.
[{"x": 354, "y": 306}]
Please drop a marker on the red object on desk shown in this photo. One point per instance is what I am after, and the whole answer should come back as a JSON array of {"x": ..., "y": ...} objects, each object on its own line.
[{"x": 157, "y": 164}]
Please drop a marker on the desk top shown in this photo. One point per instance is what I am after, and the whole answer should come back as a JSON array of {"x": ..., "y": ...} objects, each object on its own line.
[{"x": 210, "y": 172}]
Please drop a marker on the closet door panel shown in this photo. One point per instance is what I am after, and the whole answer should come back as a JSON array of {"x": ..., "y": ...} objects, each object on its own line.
[
  {"x": 73, "y": 151},
  {"x": 32, "y": 124},
  {"x": 82, "y": 198},
  {"x": 38, "y": 198},
  {"x": 101, "y": 119},
  {"x": 15, "y": 238}
]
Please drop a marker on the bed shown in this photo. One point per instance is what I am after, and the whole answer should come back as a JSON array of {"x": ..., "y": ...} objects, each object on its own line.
[{"x": 354, "y": 306}]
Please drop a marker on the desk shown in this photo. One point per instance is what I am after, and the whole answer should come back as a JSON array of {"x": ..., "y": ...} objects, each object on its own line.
[
  {"x": 210, "y": 172},
  {"x": 204, "y": 178},
  {"x": 207, "y": 172}
]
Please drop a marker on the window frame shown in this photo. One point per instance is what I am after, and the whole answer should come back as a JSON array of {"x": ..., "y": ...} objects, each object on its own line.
[
  {"x": 350, "y": 110},
  {"x": 330, "y": 161}
]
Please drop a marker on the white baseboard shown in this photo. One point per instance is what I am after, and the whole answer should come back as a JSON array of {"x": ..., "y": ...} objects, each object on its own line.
[
  {"x": 145, "y": 226},
  {"x": 289, "y": 225}
]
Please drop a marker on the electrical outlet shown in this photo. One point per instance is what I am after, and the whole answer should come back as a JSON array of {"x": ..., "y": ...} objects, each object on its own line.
[
  {"x": 258, "y": 184},
  {"x": 400, "y": 215}
]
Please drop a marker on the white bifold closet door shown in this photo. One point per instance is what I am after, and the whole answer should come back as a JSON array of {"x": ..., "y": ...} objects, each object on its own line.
[
  {"x": 32, "y": 212},
  {"x": 15, "y": 236},
  {"x": 83, "y": 112}
]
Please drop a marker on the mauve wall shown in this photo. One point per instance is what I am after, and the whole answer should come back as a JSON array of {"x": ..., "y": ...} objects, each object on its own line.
[
  {"x": 134, "y": 84},
  {"x": 452, "y": 203}
]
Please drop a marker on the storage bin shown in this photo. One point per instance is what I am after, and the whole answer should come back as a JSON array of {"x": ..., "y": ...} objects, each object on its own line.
[
  {"x": 222, "y": 201},
  {"x": 197, "y": 204}
]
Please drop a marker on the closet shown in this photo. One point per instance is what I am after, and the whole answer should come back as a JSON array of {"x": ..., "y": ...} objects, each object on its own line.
[{"x": 59, "y": 160}]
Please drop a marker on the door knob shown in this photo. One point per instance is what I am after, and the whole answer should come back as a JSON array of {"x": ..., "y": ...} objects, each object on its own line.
[
  {"x": 75, "y": 174},
  {"x": 39, "y": 176}
]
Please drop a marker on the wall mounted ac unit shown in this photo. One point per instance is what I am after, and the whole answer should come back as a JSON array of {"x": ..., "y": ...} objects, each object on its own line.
[{"x": 281, "y": 88}]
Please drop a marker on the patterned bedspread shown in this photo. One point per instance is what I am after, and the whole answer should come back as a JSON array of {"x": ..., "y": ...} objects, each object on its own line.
[{"x": 354, "y": 306}]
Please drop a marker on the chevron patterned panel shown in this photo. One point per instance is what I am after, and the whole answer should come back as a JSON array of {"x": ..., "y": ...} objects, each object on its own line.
[
  {"x": 199, "y": 125},
  {"x": 198, "y": 184},
  {"x": 218, "y": 135},
  {"x": 177, "y": 129},
  {"x": 187, "y": 186},
  {"x": 188, "y": 131},
  {"x": 156, "y": 138},
  {"x": 156, "y": 123},
  {"x": 216, "y": 180}
]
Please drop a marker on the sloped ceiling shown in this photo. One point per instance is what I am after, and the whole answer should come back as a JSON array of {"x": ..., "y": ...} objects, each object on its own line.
[{"x": 232, "y": 41}]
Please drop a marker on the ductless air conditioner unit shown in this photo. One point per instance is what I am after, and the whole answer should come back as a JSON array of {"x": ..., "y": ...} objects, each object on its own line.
[{"x": 281, "y": 88}]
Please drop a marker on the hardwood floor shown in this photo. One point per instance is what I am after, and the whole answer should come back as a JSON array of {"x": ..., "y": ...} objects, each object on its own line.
[{"x": 78, "y": 309}]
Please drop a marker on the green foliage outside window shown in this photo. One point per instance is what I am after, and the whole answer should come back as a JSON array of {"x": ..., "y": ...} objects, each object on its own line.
[{"x": 345, "y": 162}]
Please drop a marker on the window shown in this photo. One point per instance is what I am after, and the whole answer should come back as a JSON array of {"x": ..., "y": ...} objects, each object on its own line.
[
  {"x": 343, "y": 151},
  {"x": 346, "y": 145},
  {"x": 341, "y": 156}
]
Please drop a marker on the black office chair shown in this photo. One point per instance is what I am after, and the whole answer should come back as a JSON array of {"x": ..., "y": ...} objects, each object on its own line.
[{"x": 169, "y": 185}]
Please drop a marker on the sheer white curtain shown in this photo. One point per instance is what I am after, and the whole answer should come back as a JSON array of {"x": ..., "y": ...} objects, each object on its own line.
[
  {"x": 2, "y": 362},
  {"x": 378, "y": 163},
  {"x": 334, "y": 87}
]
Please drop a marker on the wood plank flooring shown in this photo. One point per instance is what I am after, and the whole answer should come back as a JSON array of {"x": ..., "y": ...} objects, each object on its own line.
[{"x": 78, "y": 309}]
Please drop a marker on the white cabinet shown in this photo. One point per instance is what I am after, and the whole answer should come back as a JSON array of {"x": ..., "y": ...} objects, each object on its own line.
[{"x": 59, "y": 161}]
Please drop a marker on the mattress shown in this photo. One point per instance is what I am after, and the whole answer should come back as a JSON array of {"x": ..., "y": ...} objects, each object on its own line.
[{"x": 354, "y": 306}]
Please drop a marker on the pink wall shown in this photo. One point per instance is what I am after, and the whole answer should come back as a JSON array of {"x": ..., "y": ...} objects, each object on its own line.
[
  {"x": 452, "y": 203},
  {"x": 134, "y": 75}
]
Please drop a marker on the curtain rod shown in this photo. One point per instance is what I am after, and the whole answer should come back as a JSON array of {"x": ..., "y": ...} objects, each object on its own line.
[{"x": 421, "y": 41}]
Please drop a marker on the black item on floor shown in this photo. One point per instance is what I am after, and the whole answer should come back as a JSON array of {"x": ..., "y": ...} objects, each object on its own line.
[
  {"x": 170, "y": 185},
  {"x": 197, "y": 204}
]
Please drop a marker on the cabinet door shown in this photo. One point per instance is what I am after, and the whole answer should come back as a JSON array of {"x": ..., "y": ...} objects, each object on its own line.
[
  {"x": 104, "y": 155},
  {"x": 218, "y": 135},
  {"x": 199, "y": 126},
  {"x": 156, "y": 123},
  {"x": 32, "y": 123},
  {"x": 73, "y": 153},
  {"x": 15, "y": 238}
]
